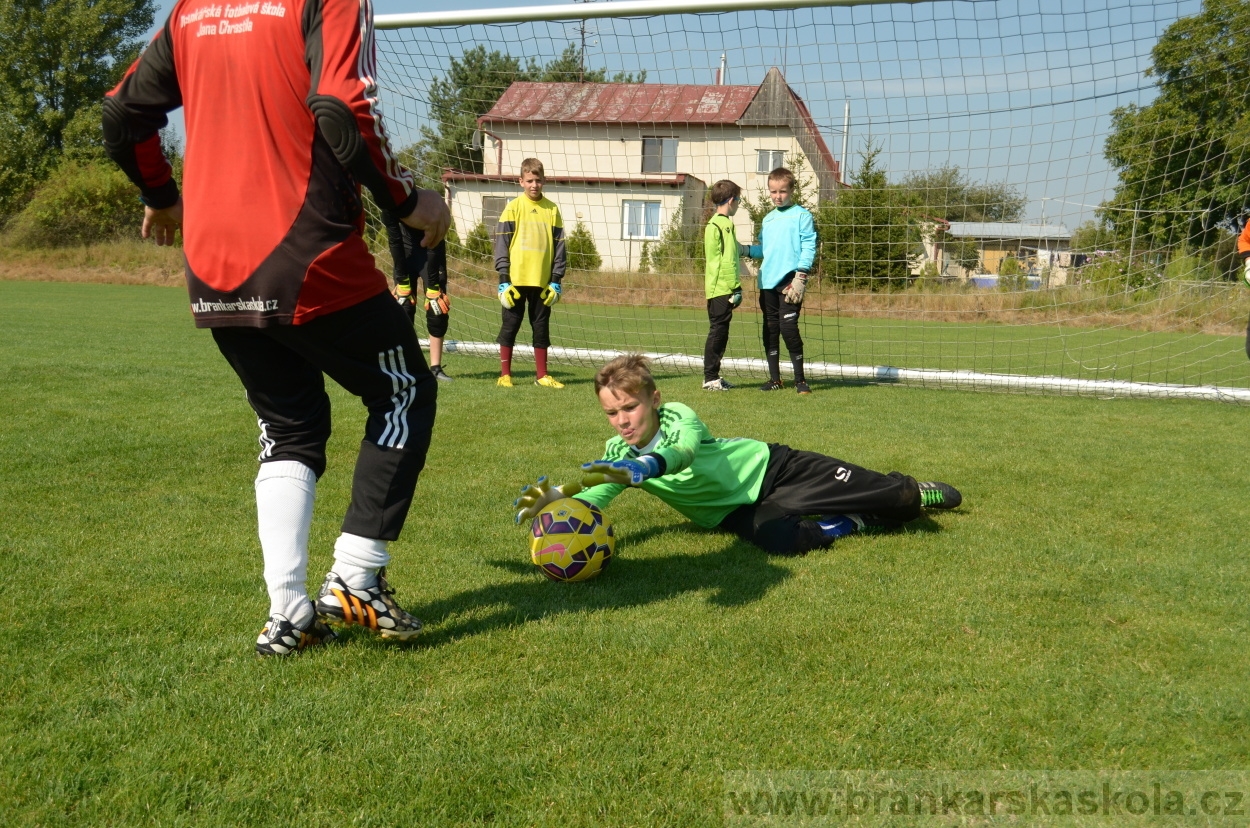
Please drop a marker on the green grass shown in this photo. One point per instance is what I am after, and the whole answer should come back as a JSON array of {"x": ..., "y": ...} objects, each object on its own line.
[{"x": 1085, "y": 609}]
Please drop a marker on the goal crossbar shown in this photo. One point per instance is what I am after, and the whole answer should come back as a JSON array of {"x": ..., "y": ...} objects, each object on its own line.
[{"x": 585, "y": 11}]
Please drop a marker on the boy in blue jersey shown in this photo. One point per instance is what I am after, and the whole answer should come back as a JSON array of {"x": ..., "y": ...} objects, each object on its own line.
[
  {"x": 787, "y": 244},
  {"x": 781, "y": 499}
]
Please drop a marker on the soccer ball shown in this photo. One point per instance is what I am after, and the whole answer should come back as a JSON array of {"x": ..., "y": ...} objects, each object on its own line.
[{"x": 571, "y": 540}]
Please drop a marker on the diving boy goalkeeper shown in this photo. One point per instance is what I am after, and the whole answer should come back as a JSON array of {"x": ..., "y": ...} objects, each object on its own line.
[{"x": 783, "y": 500}]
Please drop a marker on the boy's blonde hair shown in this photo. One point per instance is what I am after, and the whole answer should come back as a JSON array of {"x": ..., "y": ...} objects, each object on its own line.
[
  {"x": 628, "y": 374},
  {"x": 782, "y": 174},
  {"x": 532, "y": 165}
]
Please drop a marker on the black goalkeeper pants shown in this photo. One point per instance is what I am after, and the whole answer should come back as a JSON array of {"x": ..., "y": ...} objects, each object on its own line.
[
  {"x": 802, "y": 484},
  {"x": 371, "y": 350}
]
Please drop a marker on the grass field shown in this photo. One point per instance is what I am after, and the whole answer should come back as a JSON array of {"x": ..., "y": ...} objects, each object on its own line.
[{"x": 1085, "y": 609}]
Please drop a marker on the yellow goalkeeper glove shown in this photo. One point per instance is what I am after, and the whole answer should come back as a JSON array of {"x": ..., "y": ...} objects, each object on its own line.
[{"x": 537, "y": 496}]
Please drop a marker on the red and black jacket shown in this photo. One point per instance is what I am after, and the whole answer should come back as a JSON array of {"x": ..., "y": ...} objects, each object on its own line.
[{"x": 283, "y": 124}]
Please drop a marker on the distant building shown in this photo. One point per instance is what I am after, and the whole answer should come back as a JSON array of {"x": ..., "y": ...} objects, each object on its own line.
[
  {"x": 628, "y": 159},
  {"x": 1041, "y": 249}
]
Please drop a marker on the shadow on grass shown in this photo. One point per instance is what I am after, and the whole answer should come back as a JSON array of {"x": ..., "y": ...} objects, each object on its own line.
[{"x": 737, "y": 574}]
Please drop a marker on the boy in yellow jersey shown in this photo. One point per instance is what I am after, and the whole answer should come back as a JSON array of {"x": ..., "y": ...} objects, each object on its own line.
[{"x": 530, "y": 259}]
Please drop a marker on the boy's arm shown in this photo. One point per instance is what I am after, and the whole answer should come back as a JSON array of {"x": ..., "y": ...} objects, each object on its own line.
[
  {"x": 559, "y": 255},
  {"x": 504, "y": 231},
  {"x": 683, "y": 431},
  {"x": 756, "y": 251},
  {"x": 807, "y": 242},
  {"x": 713, "y": 241}
]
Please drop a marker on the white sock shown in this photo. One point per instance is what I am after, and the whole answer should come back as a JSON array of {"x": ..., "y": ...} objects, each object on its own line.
[
  {"x": 357, "y": 560},
  {"x": 285, "y": 490}
]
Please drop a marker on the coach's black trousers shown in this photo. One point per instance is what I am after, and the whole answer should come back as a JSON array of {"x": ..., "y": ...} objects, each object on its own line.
[
  {"x": 371, "y": 350},
  {"x": 804, "y": 484}
]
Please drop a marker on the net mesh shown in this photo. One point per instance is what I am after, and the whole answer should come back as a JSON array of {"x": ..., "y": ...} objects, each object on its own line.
[{"x": 1039, "y": 197}]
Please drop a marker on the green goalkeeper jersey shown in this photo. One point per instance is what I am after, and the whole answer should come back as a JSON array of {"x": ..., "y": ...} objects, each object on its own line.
[{"x": 705, "y": 477}]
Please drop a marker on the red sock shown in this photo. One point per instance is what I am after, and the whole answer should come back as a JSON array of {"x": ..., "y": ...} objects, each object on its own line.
[
  {"x": 505, "y": 360},
  {"x": 540, "y": 362}
]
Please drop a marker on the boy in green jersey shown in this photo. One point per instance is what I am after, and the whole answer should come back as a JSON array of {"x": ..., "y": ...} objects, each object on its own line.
[
  {"x": 720, "y": 279},
  {"x": 781, "y": 499}
]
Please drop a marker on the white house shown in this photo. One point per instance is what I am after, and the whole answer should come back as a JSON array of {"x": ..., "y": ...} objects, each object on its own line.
[{"x": 628, "y": 159}]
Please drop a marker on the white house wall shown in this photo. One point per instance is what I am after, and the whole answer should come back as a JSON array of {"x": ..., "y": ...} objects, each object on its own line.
[{"x": 708, "y": 152}]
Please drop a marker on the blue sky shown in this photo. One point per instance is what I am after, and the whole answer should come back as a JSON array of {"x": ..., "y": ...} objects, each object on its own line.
[{"x": 1018, "y": 91}]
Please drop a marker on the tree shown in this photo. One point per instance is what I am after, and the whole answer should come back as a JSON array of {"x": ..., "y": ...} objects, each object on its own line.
[
  {"x": 60, "y": 57},
  {"x": 1183, "y": 160},
  {"x": 948, "y": 194},
  {"x": 866, "y": 234},
  {"x": 473, "y": 84},
  {"x": 582, "y": 253}
]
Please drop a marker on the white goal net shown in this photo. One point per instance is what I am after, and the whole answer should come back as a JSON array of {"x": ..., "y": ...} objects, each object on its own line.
[{"x": 1017, "y": 195}]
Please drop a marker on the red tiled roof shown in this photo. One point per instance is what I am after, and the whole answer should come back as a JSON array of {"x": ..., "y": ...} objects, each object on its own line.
[{"x": 638, "y": 103}]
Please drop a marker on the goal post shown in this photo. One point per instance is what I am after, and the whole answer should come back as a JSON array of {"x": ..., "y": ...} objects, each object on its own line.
[{"x": 999, "y": 203}]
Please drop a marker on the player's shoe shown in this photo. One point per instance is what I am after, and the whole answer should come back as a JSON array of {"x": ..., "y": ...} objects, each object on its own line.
[
  {"x": 802, "y": 388},
  {"x": 773, "y": 385},
  {"x": 439, "y": 373},
  {"x": 548, "y": 381},
  {"x": 504, "y": 381},
  {"x": 374, "y": 609},
  {"x": 280, "y": 637},
  {"x": 939, "y": 496},
  {"x": 717, "y": 384}
]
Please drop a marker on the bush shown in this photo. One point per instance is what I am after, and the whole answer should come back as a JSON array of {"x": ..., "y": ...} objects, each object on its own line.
[
  {"x": 479, "y": 246},
  {"x": 679, "y": 250},
  {"x": 80, "y": 203},
  {"x": 1011, "y": 276},
  {"x": 582, "y": 253}
]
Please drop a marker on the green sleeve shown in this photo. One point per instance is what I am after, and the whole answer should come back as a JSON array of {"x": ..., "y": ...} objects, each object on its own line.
[
  {"x": 712, "y": 244},
  {"x": 683, "y": 431}
]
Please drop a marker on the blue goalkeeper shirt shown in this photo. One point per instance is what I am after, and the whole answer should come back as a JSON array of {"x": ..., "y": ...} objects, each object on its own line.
[{"x": 787, "y": 243}]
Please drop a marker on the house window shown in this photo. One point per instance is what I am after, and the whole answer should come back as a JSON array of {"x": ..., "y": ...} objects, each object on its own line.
[
  {"x": 640, "y": 219},
  {"x": 492, "y": 209},
  {"x": 768, "y": 160},
  {"x": 659, "y": 155}
]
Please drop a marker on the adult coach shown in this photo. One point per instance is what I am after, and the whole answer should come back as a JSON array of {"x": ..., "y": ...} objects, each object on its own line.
[{"x": 283, "y": 125}]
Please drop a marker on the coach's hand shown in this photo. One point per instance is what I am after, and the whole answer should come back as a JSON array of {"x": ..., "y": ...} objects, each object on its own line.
[
  {"x": 1245, "y": 273},
  {"x": 795, "y": 290},
  {"x": 437, "y": 302},
  {"x": 431, "y": 215},
  {"x": 551, "y": 294},
  {"x": 621, "y": 472},
  {"x": 537, "y": 496},
  {"x": 162, "y": 225},
  {"x": 508, "y": 295}
]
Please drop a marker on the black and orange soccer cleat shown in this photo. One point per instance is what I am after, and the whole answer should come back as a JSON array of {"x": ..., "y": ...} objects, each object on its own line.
[
  {"x": 374, "y": 608},
  {"x": 280, "y": 637}
]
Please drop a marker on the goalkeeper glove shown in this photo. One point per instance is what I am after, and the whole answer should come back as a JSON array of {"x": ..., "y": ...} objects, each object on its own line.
[
  {"x": 508, "y": 294},
  {"x": 797, "y": 287},
  {"x": 437, "y": 302},
  {"x": 735, "y": 298},
  {"x": 1246, "y": 272},
  {"x": 537, "y": 496},
  {"x": 621, "y": 472},
  {"x": 403, "y": 295},
  {"x": 551, "y": 294}
]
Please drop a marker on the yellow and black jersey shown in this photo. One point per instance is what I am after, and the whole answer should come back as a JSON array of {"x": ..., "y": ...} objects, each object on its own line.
[{"x": 529, "y": 243}]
